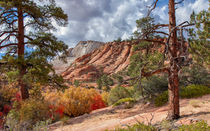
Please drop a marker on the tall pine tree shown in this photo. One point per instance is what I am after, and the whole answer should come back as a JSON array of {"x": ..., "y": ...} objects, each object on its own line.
[
  {"x": 28, "y": 24},
  {"x": 155, "y": 59}
]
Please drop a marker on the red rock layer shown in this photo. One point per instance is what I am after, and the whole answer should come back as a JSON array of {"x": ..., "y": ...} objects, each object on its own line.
[{"x": 109, "y": 59}]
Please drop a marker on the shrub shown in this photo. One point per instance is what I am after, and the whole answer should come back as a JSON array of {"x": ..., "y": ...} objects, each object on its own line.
[
  {"x": 118, "y": 93},
  {"x": 105, "y": 96},
  {"x": 193, "y": 91},
  {"x": 124, "y": 100},
  {"x": 33, "y": 111},
  {"x": 196, "y": 75},
  {"x": 7, "y": 93},
  {"x": 161, "y": 99},
  {"x": 98, "y": 103},
  {"x": 137, "y": 127},
  {"x": 155, "y": 85},
  {"x": 199, "y": 126},
  {"x": 76, "y": 83},
  {"x": 53, "y": 97},
  {"x": 77, "y": 101},
  {"x": 56, "y": 112}
]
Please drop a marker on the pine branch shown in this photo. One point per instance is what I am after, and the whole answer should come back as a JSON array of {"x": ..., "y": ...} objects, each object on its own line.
[
  {"x": 158, "y": 71},
  {"x": 11, "y": 44},
  {"x": 7, "y": 38},
  {"x": 179, "y": 2}
]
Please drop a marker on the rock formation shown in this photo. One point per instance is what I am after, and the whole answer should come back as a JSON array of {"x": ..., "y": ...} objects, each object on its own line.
[
  {"x": 82, "y": 48},
  {"x": 108, "y": 59}
]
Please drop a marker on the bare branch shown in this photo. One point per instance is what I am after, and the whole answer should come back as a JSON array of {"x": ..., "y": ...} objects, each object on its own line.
[
  {"x": 158, "y": 71},
  {"x": 7, "y": 38},
  {"x": 153, "y": 6},
  {"x": 6, "y": 32},
  {"x": 179, "y": 2},
  {"x": 12, "y": 44}
]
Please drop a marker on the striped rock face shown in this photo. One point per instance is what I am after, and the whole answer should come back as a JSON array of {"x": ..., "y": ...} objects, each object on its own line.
[{"x": 110, "y": 58}]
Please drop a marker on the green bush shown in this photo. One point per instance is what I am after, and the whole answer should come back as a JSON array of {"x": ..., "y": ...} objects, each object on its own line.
[
  {"x": 124, "y": 100},
  {"x": 118, "y": 93},
  {"x": 137, "y": 127},
  {"x": 161, "y": 99},
  {"x": 193, "y": 91},
  {"x": 199, "y": 126},
  {"x": 196, "y": 75}
]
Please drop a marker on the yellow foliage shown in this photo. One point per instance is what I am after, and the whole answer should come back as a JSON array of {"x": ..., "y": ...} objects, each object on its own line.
[
  {"x": 105, "y": 96},
  {"x": 8, "y": 92},
  {"x": 53, "y": 97},
  {"x": 33, "y": 110},
  {"x": 77, "y": 100}
]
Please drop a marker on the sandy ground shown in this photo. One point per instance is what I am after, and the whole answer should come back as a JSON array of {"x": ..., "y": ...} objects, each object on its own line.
[{"x": 109, "y": 118}]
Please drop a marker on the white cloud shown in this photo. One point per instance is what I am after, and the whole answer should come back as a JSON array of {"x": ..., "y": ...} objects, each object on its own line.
[{"x": 106, "y": 20}]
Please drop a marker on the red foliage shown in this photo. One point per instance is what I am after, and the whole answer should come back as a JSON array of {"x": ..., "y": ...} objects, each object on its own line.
[
  {"x": 98, "y": 103},
  {"x": 60, "y": 110},
  {"x": 7, "y": 108},
  {"x": 1, "y": 120},
  {"x": 56, "y": 111}
]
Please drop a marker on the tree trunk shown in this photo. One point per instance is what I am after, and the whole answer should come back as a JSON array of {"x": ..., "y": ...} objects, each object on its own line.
[
  {"x": 21, "y": 48},
  {"x": 173, "y": 84}
]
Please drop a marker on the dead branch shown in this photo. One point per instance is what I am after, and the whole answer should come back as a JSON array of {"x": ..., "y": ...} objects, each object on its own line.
[
  {"x": 11, "y": 44},
  {"x": 179, "y": 2},
  {"x": 152, "y": 7},
  {"x": 7, "y": 38},
  {"x": 158, "y": 71}
]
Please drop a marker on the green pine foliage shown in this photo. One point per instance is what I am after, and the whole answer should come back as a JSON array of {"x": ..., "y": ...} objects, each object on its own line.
[
  {"x": 42, "y": 46},
  {"x": 104, "y": 82},
  {"x": 196, "y": 74},
  {"x": 200, "y": 35}
]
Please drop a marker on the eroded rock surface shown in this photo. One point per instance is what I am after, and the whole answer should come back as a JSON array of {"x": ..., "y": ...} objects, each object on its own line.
[{"x": 109, "y": 59}]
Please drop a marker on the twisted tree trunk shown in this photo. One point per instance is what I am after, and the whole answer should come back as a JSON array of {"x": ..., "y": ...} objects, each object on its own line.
[{"x": 173, "y": 84}]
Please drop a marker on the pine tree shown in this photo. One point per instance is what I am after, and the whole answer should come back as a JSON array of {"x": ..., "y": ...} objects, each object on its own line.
[
  {"x": 28, "y": 23},
  {"x": 199, "y": 40},
  {"x": 149, "y": 60}
]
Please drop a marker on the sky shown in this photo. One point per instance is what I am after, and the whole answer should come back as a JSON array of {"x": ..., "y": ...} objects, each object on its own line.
[{"x": 107, "y": 20}]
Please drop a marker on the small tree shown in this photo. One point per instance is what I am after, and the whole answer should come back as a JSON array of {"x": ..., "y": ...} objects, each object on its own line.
[{"x": 26, "y": 23}]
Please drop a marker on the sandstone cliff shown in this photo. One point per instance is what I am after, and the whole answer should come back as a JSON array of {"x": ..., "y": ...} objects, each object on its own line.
[
  {"x": 110, "y": 58},
  {"x": 82, "y": 48}
]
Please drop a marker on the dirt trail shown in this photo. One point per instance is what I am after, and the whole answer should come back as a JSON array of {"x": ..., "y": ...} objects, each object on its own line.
[{"x": 110, "y": 118}]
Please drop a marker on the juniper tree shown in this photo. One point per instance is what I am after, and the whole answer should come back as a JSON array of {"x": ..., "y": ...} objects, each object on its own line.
[{"x": 28, "y": 23}]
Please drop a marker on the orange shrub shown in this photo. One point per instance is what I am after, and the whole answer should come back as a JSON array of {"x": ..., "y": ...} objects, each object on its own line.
[{"x": 78, "y": 101}]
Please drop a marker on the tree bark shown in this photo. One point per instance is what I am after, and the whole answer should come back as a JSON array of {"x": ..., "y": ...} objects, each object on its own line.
[
  {"x": 21, "y": 48},
  {"x": 173, "y": 84}
]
